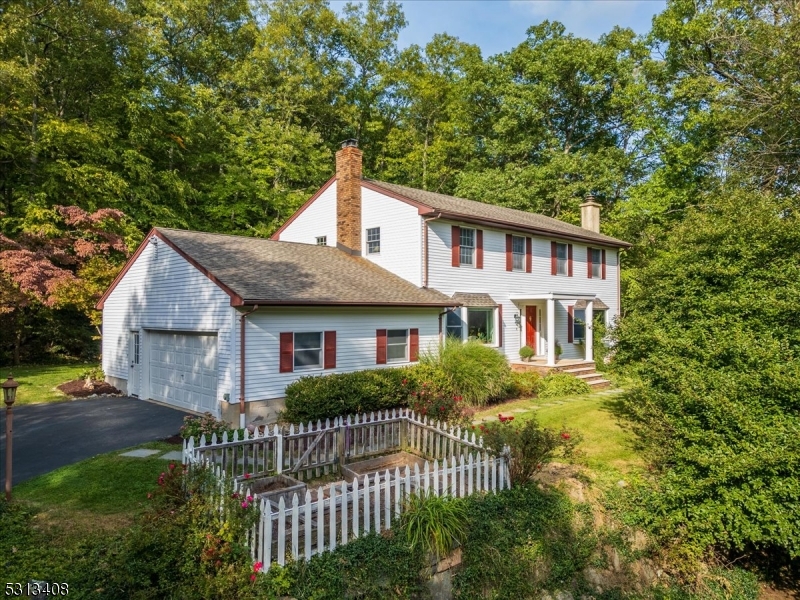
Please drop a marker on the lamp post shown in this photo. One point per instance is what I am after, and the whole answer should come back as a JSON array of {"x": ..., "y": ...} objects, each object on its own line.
[{"x": 9, "y": 395}]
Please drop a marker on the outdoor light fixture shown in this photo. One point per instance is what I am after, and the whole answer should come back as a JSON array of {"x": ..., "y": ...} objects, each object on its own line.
[
  {"x": 9, "y": 395},
  {"x": 517, "y": 318}
]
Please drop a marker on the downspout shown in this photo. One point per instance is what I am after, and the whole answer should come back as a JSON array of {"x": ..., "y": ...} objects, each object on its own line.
[
  {"x": 242, "y": 364},
  {"x": 441, "y": 314},
  {"x": 425, "y": 255}
]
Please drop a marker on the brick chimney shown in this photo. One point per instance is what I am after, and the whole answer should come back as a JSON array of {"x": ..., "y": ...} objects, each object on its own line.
[
  {"x": 590, "y": 214},
  {"x": 348, "y": 198}
]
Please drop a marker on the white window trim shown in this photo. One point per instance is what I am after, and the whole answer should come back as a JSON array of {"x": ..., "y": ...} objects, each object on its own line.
[
  {"x": 520, "y": 254},
  {"x": 318, "y": 367},
  {"x": 597, "y": 264},
  {"x": 405, "y": 359},
  {"x": 324, "y": 238},
  {"x": 576, "y": 339},
  {"x": 367, "y": 240},
  {"x": 473, "y": 247},
  {"x": 494, "y": 342},
  {"x": 565, "y": 259}
]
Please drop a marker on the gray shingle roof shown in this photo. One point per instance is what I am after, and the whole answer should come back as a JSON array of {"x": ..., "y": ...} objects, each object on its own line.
[
  {"x": 452, "y": 206},
  {"x": 597, "y": 304},
  {"x": 271, "y": 272},
  {"x": 470, "y": 299}
]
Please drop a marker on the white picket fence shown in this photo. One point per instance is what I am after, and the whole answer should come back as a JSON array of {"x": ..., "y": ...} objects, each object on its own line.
[
  {"x": 312, "y": 450},
  {"x": 320, "y": 520},
  {"x": 324, "y": 519}
]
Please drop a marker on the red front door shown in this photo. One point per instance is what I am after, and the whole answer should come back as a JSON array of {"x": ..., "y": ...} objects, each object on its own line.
[{"x": 530, "y": 327}]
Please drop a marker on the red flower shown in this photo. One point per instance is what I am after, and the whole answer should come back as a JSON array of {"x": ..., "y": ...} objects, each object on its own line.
[
  {"x": 510, "y": 418},
  {"x": 565, "y": 435},
  {"x": 258, "y": 566},
  {"x": 245, "y": 505},
  {"x": 235, "y": 495},
  {"x": 171, "y": 466},
  {"x": 249, "y": 498},
  {"x": 253, "y": 577},
  {"x": 247, "y": 475}
]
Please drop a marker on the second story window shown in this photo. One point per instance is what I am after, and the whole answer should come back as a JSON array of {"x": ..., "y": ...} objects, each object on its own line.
[
  {"x": 518, "y": 253},
  {"x": 561, "y": 259},
  {"x": 322, "y": 240},
  {"x": 467, "y": 246},
  {"x": 597, "y": 264},
  {"x": 374, "y": 240}
]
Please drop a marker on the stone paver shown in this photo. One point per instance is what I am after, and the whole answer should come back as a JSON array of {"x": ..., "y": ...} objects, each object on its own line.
[
  {"x": 172, "y": 455},
  {"x": 140, "y": 453},
  {"x": 520, "y": 410}
]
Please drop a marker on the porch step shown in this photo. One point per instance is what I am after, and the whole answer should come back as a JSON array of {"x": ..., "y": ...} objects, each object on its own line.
[
  {"x": 599, "y": 384},
  {"x": 577, "y": 371},
  {"x": 589, "y": 377}
]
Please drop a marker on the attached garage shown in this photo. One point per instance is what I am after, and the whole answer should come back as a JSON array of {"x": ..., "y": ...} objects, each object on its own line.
[{"x": 183, "y": 369}]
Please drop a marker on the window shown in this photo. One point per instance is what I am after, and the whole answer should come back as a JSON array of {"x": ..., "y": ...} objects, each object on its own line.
[
  {"x": 480, "y": 324},
  {"x": 307, "y": 350},
  {"x": 518, "y": 253},
  {"x": 455, "y": 324},
  {"x": 597, "y": 263},
  {"x": 397, "y": 345},
  {"x": 322, "y": 240},
  {"x": 467, "y": 246},
  {"x": 561, "y": 259},
  {"x": 136, "y": 347},
  {"x": 374, "y": 240},
  {"x": 579, "y": 325}
]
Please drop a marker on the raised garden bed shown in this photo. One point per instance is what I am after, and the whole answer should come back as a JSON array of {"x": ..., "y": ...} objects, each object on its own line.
[{"x": 274, "y": 487}]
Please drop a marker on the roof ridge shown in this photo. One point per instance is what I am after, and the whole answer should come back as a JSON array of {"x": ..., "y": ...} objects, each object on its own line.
[{"x": 244, "y": 237}]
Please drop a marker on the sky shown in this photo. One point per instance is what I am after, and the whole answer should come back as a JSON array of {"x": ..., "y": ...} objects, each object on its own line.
[{"x": 499, "y": 25}]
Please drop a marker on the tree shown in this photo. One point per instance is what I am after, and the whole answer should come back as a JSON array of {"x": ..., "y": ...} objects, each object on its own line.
[{"x": 712, "y": 334}]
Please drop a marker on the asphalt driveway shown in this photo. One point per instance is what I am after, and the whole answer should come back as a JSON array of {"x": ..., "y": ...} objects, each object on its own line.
[{"x": 48, "y": 436}]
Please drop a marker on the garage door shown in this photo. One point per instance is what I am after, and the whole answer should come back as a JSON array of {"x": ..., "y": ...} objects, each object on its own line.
[{"x": 183, "y": 369}]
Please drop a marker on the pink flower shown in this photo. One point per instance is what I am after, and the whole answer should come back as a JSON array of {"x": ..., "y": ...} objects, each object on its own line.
[
  {"x": 171, "y": 466},
  {"x": 249, "y": 498},
  {"x": 247, "y": 475},
  {"x": 258, "y": 566},
  {"x": 253, "y": 577},
  {"x": 245, "y": 505},
  {"x": 235, "y": 495}
]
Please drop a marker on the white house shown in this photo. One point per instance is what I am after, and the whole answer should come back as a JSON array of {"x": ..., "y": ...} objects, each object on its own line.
[{"x": 366, "y": 274}]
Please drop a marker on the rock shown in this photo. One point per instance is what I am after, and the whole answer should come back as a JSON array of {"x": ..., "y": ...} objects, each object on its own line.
[{"x": 622, "y": 483}]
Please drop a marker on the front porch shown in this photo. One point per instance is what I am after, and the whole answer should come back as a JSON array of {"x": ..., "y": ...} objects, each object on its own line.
[{"x": 577, "y": 367}]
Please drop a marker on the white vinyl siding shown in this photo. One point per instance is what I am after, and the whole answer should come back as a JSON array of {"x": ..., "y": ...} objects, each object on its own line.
[
  {"x": 501, "y": 284},
  {"x": 355, "y": 340},
  {"x": 400, "y": 234},
  {"x": 163, "y": 292},
  {"x": 316, "y": 221}
]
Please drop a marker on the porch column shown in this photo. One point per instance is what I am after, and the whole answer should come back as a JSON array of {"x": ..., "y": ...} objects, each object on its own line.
[
  {"x": 551, "y": 332},
  {"x": 589, "y": 329}
]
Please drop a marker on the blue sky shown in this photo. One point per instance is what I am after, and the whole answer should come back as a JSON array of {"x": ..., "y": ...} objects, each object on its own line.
[{"x": 499, "y": 25}]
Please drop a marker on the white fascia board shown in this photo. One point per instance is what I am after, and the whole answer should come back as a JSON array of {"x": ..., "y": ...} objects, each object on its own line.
[{"x": 552, "y": 296}]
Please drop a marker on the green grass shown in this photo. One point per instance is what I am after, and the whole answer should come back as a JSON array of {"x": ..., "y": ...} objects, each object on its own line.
[
  {"x": 107, "y": 485},
  {"x": 37, "y": 383},
  {"x": 608, "y": 445}
]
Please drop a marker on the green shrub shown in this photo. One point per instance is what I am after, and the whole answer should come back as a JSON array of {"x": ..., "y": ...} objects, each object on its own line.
[
  {"x": 433, "y": 524},
  {"x": 476, "y": 372},
  {"x": 206, "y": 424},
  {"x": 94, "y": 373},
  {"x": 530, "y": 445},
  {"x": 557, "y": 385},
  {"x": 526, "y": 352},
  {"x": 316, "y": 397},
  {"x": 524, "y": 384}
]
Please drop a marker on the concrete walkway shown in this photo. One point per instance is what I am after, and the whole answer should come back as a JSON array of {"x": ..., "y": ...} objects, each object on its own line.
[{"x": 48, "y": 436}]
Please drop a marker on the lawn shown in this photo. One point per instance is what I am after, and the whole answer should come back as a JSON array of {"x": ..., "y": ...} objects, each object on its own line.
[
  {"x": 37, "y": 383},
  {"x": 608, "y": 445}
]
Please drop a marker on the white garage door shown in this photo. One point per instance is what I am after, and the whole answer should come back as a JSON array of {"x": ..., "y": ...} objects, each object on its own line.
[{"x": 183, "y": 369}]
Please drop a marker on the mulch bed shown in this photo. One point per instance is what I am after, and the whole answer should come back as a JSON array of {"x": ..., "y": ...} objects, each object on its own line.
[
  {"x": 77, "y": 388},
  {"x": 174, "y": 439}
]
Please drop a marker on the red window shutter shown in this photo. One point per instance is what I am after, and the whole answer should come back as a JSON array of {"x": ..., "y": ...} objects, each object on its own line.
[
  {"x": 553, "y": 258},
  {"x": 330, "y": 350},
  {"x": 287, "y": 352},
  {"x": 570, "y": 324},
  {"x": 528, "y": 255},
  {"x": 604, "y": 264},
  {"x": 589, "y": 263},
  {"x": 509, "y": 254},
  {"x": 479, "y": 248},
  {"x": 413, "y": 345},
  {"x": 500, "y": 325},
  {"x": 380, "y": 351},
  {"x": 569, "y": 260},
  {"x": 456, "y": 244}
]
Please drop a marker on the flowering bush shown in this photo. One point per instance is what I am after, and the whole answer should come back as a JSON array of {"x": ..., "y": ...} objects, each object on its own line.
[
  {"x": 431, "y": 396},
  {"x": 206, "y": 424},
  {"x": 530, "y": 445}
]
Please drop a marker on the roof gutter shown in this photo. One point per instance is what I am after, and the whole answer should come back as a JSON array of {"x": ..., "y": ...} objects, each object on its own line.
[{"x": 242, "y": 418}]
